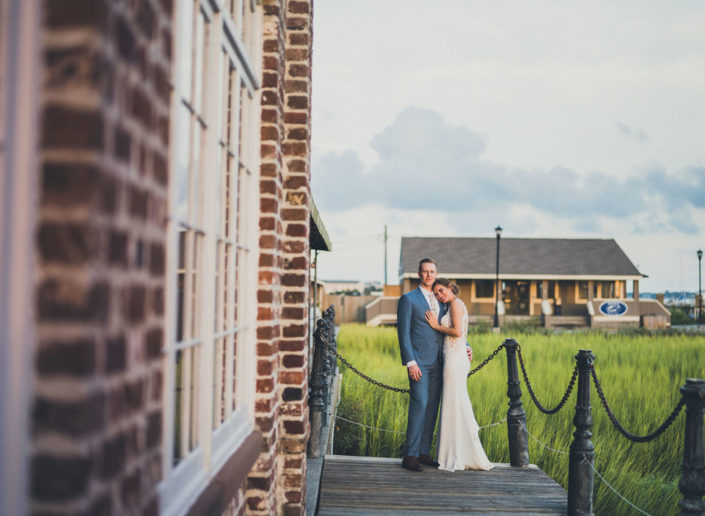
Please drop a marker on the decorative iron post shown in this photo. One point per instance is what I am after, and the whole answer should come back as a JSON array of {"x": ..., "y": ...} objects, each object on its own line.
[
  {"x": 692, "y": 482},
  {"x": 582, "y": 451},
  {"x": 516, "y": 416},
  {"x": 318, "y": 390}
]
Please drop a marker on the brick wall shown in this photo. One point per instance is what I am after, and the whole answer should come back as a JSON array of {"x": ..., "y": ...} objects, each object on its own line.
[
  {"x": 276, "y": 483},
  {"x": 265, "y": 474},
  {"x": 294, "y": 424},
  {"x": 96, "y": 442}
]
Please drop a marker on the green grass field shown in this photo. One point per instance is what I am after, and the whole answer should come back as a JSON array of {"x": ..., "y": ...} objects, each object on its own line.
[{"x": 640, "y": 375}]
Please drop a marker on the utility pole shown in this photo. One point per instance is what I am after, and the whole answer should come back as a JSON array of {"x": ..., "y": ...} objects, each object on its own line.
[{"x": 385, "y": 254}]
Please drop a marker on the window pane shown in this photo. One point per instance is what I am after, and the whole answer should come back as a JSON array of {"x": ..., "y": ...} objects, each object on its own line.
[
  {"x": 484, "y": 288},
  {"x": 185, "y": 403},
  {"x": 198, "y": 56},
  {"x": 180, "y": 286},
  {"x": 219, "y": 382},
  {"x": 195, "y": 217},
  {"x": 186, "y": 50},
  {"x": 181, "y": 162}
]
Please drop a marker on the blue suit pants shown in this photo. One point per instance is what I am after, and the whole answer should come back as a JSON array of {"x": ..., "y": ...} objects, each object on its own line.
[{"x": 423, "y": 409}]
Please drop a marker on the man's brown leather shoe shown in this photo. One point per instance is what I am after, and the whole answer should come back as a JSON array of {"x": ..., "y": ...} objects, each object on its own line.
[
  {"x": 427, "y": 460},
  {"x": 411, "y": 463}
]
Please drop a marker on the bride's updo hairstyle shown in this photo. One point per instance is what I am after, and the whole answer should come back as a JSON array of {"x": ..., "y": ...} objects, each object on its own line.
[{"x": 447, "y": 284}]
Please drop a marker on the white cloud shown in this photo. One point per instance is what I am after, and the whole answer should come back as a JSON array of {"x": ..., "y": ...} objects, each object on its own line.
[{"x": 533, "y": 112}]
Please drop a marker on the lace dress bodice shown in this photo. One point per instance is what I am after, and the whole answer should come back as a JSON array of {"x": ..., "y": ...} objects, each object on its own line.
[{"x": 452, "y": 345}]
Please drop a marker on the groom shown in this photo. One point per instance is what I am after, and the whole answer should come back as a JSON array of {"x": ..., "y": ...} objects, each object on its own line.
[{"x": 422, "y": 353}]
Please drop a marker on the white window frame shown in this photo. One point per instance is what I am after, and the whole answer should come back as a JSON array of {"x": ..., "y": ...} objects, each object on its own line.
[
  {"x": 20, "y": 74},
  {"x": 182, "y": 484}
]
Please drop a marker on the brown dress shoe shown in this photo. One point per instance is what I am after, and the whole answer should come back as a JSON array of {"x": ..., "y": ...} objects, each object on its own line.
[
  {"x": 411, "y": 463},
  {"x": 427, "y": 460}
]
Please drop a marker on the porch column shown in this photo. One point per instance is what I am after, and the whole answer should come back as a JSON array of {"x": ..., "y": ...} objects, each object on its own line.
[{"x": 636, "y": 296}]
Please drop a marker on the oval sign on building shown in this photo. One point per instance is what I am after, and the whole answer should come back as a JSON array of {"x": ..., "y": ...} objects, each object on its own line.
[{"x": 613, "y": 308}]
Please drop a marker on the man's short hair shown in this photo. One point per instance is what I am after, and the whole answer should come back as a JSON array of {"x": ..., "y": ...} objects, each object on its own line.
[{"x": 426, "y": 260}]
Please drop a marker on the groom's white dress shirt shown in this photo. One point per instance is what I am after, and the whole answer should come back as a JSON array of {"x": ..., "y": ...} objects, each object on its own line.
[{"x": 433, "y": 306}]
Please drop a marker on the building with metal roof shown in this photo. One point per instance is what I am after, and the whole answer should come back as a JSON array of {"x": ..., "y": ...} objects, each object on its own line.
[{"x": 559, "y": 281}]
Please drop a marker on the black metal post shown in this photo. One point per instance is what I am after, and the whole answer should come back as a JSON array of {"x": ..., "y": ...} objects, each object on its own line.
[
  {"x": 700, "y": 287},
  {"x": 498, "y": 231},
  {"x": 318, "y": 390},
  {"x": 692, "y": 482},
  {"x": 516, "y": 416},
  {"x": 582, "y": 451}
]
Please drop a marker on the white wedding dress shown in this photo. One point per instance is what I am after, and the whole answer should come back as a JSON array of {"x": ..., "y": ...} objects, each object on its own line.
[{"x": 459, "y": 445}]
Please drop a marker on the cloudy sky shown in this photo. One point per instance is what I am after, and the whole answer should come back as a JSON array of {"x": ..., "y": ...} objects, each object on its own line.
[{"x": 550, "y": 118}]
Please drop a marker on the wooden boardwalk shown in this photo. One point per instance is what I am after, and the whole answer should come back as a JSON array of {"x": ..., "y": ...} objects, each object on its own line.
[{"x": 374, "y": 486}]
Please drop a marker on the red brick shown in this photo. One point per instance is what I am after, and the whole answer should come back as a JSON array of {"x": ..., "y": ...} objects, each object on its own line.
[
  {"x": 265, "y": 296},
  {"x": 264, "y": 424},
  {"x": 293, "y": 463},
  {"x": 293, "y": 497},
  {"x": 56, "y": 479},
  {"x": 296, "y": 86},
  {"x": 269, "y": 132},
  {"x": 297, "y": 165},
  {"x": 67, "y": 357},
  {"x": 270, "y": 116},
  {"x": 299, "y": 7},
  {"x": 268, "y": 205},
  {"x": 266, "y": 260},
  {"x": 298, "y": 134},
  {"x": 293, "y": 480},
  {"x": 290, "y": 360},
  {"x": 264, "y": 367},
  {"x": 298, "y": 70},
  {"x": 293, "y": 313},
  {"x": 295, "y": 214},
  {"x": 270, "y": 62},
  {"x": 296, "y": 23},
  {"x": 291, "y": 298},
  {"x": 292, "y": 345},
  {"x": 299, "y": 38},
  {"x": 296, "y": 117},
  {"x": 297, "y": 54},
  {"x": 270, "y": 80},
  {"x": 297, "y": 230},
  {"x": 292, "y": 394},
  {"x": 267, "y": 241},
  {"x": 266, "y": 349},
  {"x": 293, "y": 280},
  {"x": 265, "y": 385},
  {"x": 297, "y": 101},
  {"x": 295, "y": 148},
  {"x": 292, "y": 377}
]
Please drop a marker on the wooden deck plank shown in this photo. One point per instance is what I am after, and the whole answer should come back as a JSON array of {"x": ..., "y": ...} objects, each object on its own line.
[{"x": 374, "y": 486}]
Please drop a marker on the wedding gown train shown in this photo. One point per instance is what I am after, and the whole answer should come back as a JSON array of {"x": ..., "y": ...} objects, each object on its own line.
[{"x": 459, "y": 445}]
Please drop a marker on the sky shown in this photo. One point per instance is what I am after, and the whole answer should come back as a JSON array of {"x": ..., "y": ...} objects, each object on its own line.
[{"x": 553, "y": 119}]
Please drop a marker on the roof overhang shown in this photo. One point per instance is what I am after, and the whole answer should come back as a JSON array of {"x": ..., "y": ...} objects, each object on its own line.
[
  {"x": 534, "y": 277},
  {"x": 318, "y": 236}
]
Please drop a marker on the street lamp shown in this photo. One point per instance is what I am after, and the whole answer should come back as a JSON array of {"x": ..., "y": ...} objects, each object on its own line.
[
  {"x": 700, "y": 287},
  {"x": 498, "y": 231}
]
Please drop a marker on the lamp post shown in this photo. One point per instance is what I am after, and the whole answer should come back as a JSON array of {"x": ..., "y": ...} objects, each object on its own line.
[
  {"x": 498, "y": 232},
  {"x": 700, "y": 288}
]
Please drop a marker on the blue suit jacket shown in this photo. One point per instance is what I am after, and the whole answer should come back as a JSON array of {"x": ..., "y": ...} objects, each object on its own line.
[{"x": 417, "y": 340}]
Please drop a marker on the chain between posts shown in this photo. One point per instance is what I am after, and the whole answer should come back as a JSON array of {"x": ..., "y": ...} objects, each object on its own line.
[
  {"x": 487, "y": 360},
  {"x": 563, "y": 401},
  {"x": 633, "y": 437},
  {"x": 389, "y": 387}
]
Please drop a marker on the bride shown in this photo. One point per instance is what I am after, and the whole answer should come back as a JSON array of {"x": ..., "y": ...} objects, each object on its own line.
[{"x": 459, "y": 445}]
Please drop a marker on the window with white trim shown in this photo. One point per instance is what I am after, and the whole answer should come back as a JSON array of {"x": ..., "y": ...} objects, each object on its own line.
[{"x": 210, "y": 330}]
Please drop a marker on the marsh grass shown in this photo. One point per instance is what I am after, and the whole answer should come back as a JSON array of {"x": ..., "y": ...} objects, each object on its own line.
[{"x": 640, "y": 374}]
